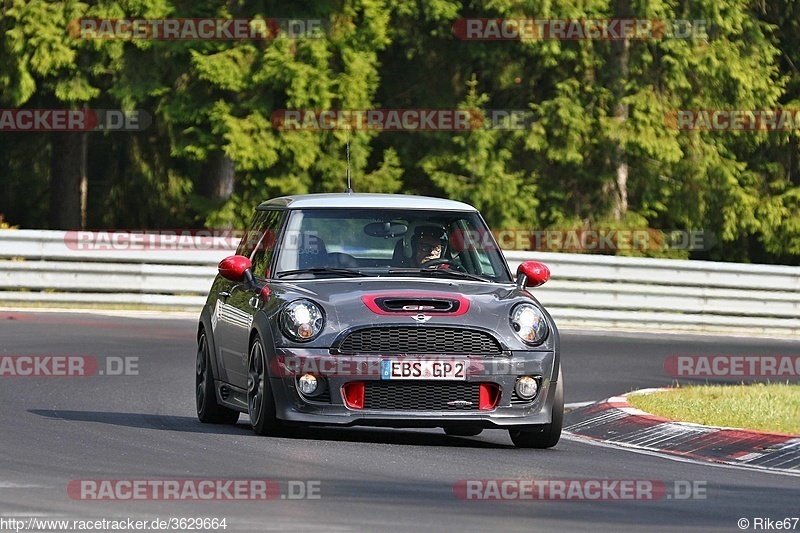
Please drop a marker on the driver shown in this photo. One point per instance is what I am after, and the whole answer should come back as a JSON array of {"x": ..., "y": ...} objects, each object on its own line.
[{"x": 428, "y": 244}]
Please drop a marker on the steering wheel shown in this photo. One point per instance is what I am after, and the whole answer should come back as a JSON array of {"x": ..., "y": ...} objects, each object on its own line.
[{"x": 433, "y": 263}]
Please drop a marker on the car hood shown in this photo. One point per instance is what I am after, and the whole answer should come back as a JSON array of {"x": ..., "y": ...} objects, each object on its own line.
[{"x": 359, "y": 302}]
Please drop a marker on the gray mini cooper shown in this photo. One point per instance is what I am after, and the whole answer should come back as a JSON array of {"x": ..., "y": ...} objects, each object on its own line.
[{"x": 378, "y": 310}]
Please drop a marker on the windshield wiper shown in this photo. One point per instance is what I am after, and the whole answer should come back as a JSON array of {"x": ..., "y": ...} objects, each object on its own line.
[
  {"x": 322, "y": 270},
  {"x": 446, "y": 271}
]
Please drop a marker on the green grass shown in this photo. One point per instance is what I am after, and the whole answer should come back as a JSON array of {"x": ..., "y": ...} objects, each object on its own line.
[{"x": 765, "y": 407}]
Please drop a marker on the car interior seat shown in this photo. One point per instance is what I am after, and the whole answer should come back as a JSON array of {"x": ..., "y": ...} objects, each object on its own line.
[{"x": 311, "y": 251}]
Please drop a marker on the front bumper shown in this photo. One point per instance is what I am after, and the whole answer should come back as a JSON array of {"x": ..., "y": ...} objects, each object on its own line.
[{"x": 336, "y": 371}]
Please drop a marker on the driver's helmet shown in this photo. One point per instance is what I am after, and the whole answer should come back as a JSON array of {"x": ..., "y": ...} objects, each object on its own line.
[{"x": 430, "y": 230}]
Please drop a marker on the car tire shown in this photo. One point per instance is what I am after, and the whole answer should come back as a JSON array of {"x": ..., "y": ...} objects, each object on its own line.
[
  {"x": 545, "y": 435},
  {"x": 208, "y": 410},
  {"x": 463, "y": 431},
  {"x": 260, "y": 400}
]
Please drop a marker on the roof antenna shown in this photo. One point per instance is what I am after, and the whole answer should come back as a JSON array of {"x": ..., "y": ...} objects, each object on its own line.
[{"x": 348, "y": 190}]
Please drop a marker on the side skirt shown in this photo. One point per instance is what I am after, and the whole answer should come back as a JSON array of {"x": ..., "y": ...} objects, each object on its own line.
[{"x": 231, "y": 397}]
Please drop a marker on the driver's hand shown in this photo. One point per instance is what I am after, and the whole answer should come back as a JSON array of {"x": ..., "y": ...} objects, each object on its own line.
[
  {"x": 430, "y": 257},
  {"x": 428, "y": 252}
]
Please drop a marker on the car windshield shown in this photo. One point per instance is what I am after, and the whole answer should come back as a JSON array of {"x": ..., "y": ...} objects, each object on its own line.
[{"x": 389, "y": 242}]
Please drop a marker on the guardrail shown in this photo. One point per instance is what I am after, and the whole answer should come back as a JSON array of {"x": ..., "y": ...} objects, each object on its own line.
[{"x": 37, "y": 267}]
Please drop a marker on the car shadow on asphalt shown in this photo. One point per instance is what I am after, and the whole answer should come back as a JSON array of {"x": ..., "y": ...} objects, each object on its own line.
[
  {"x": 407, "y": 436},
  {"x": 190, "y": 424},
  {"x": 187, "y": 424}
]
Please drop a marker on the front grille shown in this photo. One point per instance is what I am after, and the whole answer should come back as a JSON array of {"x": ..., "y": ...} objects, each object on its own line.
[
  {"x": 409, "y": 340},
  {"x": 420, "y": 396}
]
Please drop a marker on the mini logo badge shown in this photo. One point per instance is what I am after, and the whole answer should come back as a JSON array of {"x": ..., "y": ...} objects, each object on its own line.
[
  {"x": 460, "y": 403},
  {"x": 421, "y": 318}
]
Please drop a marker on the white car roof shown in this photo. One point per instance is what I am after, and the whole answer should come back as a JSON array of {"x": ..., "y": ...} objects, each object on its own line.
[{"x": 366, "y": 200}]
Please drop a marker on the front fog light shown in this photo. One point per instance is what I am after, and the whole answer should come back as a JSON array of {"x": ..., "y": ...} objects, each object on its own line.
[
  {"x": 527, "y": 387},
  {"x": 308, "y": 384}
]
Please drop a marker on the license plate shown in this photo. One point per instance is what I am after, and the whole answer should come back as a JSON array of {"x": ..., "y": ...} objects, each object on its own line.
[{"x": 455, "y": 370}]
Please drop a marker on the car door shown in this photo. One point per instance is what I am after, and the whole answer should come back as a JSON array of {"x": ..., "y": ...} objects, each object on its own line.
[
  {"x": 240, "y": 302},
  {"x": 228, "y": 318}
]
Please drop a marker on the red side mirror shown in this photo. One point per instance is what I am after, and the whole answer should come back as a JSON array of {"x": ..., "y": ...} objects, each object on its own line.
[
  {"x": 534, "y": 273},
  {"x": 234, "y": 267}
]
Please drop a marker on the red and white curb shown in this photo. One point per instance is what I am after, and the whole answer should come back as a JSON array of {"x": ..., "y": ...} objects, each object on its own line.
[{"x": 615, "y": 421}]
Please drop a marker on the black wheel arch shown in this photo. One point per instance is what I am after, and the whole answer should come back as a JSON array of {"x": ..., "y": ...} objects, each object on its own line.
[
  {"x": 555, "y": 376},
  {"x": 263, "y": 329},
  {"x": 205, "y": 325}
]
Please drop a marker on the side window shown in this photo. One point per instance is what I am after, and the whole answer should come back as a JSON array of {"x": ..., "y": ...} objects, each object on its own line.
[
  {"x": 266, "y": 239},
  {"x": 252, "y": 235}
]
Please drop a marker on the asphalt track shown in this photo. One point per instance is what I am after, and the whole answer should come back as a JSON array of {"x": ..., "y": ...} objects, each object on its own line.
[{"x": 55, "y": 430}]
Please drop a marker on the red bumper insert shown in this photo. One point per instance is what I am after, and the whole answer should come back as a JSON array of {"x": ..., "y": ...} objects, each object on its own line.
[
  {"x": 489, "y": 396},
  {"x": 354, "y": 394}
]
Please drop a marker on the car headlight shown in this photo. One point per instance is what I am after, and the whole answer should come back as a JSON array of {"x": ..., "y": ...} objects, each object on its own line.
[
  {"x": 302, "y": 320},
  {"x": 528, "y": 323}
]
